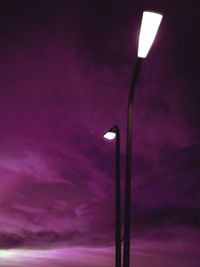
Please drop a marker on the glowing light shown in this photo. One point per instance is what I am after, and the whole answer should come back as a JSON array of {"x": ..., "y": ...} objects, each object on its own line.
[
  {"x": 110, "y": 135},
  {"x": 5, "y": 254},
  {"x": 100, "y": 257},
  {"x": 149, "y": 28}
]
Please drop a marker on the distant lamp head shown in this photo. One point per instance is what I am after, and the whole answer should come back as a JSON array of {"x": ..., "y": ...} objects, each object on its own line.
[{"x": 111, "y": 133}]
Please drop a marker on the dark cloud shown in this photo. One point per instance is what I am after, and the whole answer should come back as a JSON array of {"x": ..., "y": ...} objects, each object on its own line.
[
  {"x": 46, "y": 239},
  {"x": 167, "y": 215},
  {"x": 41, "y": 239},
  {"x": 11, "y": 240}
]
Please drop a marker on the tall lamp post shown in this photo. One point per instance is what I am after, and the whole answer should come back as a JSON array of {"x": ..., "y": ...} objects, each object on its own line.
[
  {"x": 114, "y": 133},
  {"x": 149, "y": 27}
]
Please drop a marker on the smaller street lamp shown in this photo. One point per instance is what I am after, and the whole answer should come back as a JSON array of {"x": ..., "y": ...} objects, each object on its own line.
[{"x": 111, "y": 134}]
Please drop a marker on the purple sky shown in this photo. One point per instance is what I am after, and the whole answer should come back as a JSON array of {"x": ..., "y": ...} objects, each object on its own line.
[{"x": 65, "y": 71}]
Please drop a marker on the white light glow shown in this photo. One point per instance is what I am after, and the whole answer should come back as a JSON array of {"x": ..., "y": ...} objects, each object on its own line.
[
  {"x": 71, "y": 257},
  {"x": 110, "y": 135},
  {"x": 149, "y": 27},
  {"x": 5, "y": 253}
]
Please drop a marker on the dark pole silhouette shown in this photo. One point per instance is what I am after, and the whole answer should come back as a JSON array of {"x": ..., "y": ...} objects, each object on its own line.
[
  {"x": 117, "y": 201},
  {"x": 127, "y": 206}
]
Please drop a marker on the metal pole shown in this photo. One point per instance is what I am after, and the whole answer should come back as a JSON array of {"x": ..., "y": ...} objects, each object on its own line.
[
  {"x": 127, "y": 207},
  {"x": 117, "y": 201}
]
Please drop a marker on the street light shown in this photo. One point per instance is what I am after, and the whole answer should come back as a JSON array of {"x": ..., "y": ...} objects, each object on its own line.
[
  {"x": 111, "y": 134},
  {"x": 149, "y": 27}
]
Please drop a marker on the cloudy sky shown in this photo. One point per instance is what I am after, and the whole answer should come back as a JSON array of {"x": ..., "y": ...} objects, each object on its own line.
[{"x": 65, "y": 71}]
